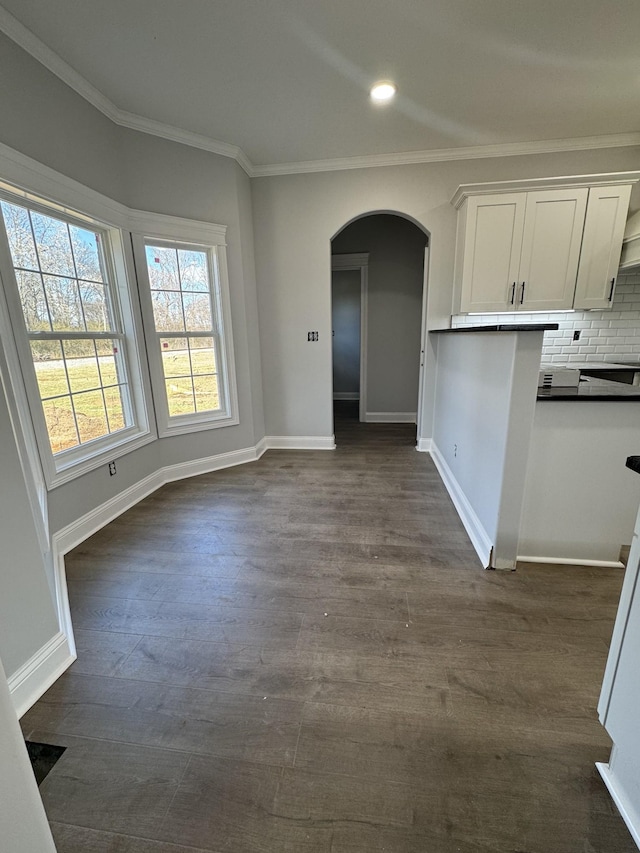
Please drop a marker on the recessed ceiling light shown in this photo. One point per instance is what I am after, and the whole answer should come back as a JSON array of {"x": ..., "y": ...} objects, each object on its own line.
[{"x": 383, "y": 92}]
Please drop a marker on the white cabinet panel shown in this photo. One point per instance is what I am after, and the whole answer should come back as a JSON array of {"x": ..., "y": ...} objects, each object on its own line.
[
  {"x": 493, "y": 241},
  {"x": 601, "y": 246},
  {"x": 553, "y": 226}
]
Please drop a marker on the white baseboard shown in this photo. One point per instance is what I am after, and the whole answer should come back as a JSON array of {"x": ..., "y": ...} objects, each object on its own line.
[
  {"x": 73, "y": 534},
  {"x": 390, "y": 418},
  {"x": 182, "y": 470},
  {"x": 346, "y": 395},
  {"x": 38, "y": 674},
  {"x": 572, "y": 561},
  {"x": 301, "y": 442},
  {"x": 627, "y": 811},
  {"x": 472, "y": 524},
  {"x": 424, "y": 445}
]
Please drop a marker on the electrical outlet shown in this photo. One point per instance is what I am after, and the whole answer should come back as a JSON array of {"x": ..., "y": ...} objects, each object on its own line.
[
  {"x": 576, "y": 335},
  {"x": 312, "y": 336},
  {"x": 112, "y": 468},
  {"x": 455, "y": 449}
]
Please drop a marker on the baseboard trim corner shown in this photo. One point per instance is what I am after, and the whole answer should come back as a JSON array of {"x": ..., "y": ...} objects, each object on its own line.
[
  {"x": 424, "y": 445},
  {"x": 472, "y": 524},
  {"x": 37, "y": 675},
  {"x": 627, "y": 812}
]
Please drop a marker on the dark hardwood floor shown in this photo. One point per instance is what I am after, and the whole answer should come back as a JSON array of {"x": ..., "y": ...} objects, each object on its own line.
[{"x": 304, "y": 655}]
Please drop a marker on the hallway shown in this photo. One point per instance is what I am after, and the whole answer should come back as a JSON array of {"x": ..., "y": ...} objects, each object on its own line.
[{"x": 304, "y": 655}]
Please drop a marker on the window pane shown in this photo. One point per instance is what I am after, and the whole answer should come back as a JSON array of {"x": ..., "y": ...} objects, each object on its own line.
[
  {"x": 194, "y": 274},
  {"x": 203, "y": 358},
  {"x": 167, "y": 311},
  {"x": 108, "y": 362},
  {"x": 50, "y": 372},
  {"x": 175, "y": 357},
  {"x": 90, "y": 415},
  {"x": 18, "y": 227},
  {"x": 82, "y": 365},
  {"x": 95, "y": 306},
  {"x": 163, "y": 268},
  {"x": 61, "y": 424},
  {"x": 64, "y": 304},
  {"x": 115, "y": 408},
  {"x": 86, "y": 253},
  {"x": 197, "y": 311},
  {"x": 34, "y": 306},
  {"x": 180, "y": 396},
  {"x": 53, "y": 245},
  {"x": 206, "y": 393}
]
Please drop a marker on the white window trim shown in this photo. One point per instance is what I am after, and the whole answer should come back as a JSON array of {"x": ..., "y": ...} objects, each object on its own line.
[
  {"x": 195, "y": 234},
  {"x": 29, "y": 181}
]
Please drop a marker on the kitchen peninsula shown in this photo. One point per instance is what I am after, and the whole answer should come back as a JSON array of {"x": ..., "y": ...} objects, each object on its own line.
[{"x": 534, "y": 476}]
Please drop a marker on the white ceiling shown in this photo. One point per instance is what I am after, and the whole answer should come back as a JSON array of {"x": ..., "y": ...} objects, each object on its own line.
[{"x": 287, "y": 80}]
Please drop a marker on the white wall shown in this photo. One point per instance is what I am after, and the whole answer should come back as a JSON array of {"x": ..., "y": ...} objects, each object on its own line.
[
  {"x": 484, "y": 406},
  {"x": 23, "y": 823},
  {"x": 48, "y": 122},
  {"x": 27, "y": 615},
  {"x": 395, "y": 279},
  {"x": 295, "y": 217},
  {"x": 580, "y": 500},
  {"x": 345, "y": 322}
]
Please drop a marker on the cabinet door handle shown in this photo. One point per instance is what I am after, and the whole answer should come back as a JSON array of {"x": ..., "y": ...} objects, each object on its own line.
[
  {"x": 522, "y": 293},
  {"x": 513, "y": 293},
  {"x": 613, "y": 281}
]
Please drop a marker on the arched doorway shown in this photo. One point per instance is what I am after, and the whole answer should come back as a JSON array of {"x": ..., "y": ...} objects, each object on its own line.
[{"x": 378, "y": 291}]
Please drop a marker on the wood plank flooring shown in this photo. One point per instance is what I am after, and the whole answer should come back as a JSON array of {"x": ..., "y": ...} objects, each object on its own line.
[{"x": 304, "y": 655}]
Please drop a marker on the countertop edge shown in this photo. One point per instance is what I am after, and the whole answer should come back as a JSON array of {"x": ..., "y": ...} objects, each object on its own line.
[
  {"x": 500, "y": 327},
  {"x": 633, "y": 462}
]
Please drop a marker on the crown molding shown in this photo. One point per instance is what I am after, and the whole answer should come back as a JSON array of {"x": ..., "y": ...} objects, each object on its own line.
[
  {"x": 441, "y": 155},
  {"x": 607, "y": 179},
  {"x": 132, "y": 121},
  {"x": 23, "y": 37},
  {"x": 29, "y": 42}
]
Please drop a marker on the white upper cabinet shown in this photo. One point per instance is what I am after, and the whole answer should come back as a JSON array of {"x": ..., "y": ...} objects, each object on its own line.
[
  {"x": 492, "y": 245},
  {"x": 601, "y": 246},
  {"x": 547, "y": 249},
  {"x": 553, "y": 225}
]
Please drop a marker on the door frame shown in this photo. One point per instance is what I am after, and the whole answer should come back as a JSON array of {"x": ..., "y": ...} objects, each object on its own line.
[
  {"x": 423, "y": 347},
  {"x": 359, "y": 261}
]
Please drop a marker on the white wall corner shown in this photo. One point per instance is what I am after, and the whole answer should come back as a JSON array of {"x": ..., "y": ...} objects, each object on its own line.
[
  {"x": 301, "y": 442},
  {"x": 37, "y": 675},
  {"x": 472, "y": 524}
]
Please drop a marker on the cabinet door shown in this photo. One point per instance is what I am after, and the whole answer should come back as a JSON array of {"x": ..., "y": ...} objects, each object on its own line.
[
  {"x": 553, "y": 225},
  {"x": 493, "y": 240},
  {"x": 601, "y": 246}
]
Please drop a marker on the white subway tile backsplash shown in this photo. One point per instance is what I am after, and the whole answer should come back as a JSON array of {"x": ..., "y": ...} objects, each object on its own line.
[{"x": 604, "y": 335}]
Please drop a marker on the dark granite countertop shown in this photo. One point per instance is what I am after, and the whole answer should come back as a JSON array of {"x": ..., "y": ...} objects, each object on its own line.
[
  {"x": 591, "y": 388},
  {"x": 499, "y": 327},
  {"x": 633, "y": 462}
]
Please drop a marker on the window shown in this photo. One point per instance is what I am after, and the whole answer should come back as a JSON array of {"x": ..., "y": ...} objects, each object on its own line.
[
  {"x": 185, "y": 296},
  {"x": 67, "y": 314}
]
